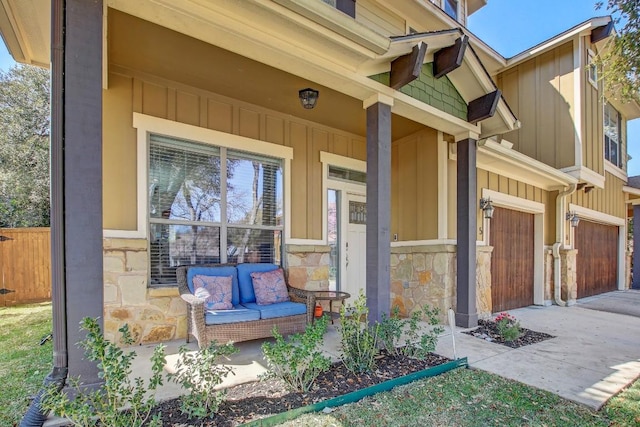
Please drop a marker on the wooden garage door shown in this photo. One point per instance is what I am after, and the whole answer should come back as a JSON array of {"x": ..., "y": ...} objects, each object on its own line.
[
  {"x": 597, "y": 259},
  {"x": 512, "y": 265}
]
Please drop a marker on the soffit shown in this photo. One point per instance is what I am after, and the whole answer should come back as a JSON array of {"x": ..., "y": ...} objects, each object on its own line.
[{"x": 26, "y": 27}]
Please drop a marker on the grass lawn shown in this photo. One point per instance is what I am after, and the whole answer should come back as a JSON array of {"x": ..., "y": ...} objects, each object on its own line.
[
  {"x": 24, "y": 363},
  {"x": 463, "y": 397}
]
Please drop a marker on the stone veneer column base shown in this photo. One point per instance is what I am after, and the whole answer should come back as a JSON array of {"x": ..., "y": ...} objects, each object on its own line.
[
  {"x": 568, "y": 276},
  {"x": 153, "y": 314},
  {"x": 483, "y": 281},
  {"x": 423, "y": 275}
]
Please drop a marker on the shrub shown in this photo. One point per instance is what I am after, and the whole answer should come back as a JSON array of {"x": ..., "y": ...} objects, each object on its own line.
[
  {"x": 359, "y": 340},
  {"x": 104, "y": 405},
  {"x": 508, "y": 326},
  {"x": 418, "y": 344},
  {"x": 200, "y": 372},
  {"x": 297, "y": 361}
]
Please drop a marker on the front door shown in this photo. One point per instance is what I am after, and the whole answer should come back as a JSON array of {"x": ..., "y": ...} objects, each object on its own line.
[{"x": 356, "y": 244}]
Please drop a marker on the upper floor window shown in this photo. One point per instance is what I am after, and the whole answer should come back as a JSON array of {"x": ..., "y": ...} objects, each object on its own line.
[
  {"x": 211, "y": 205},
  {"x": 346, "y": 6},
  {"x": 592, "y": 69},
  {"x": 612, "y": 142},
  {"x": 451, "y": 8}
]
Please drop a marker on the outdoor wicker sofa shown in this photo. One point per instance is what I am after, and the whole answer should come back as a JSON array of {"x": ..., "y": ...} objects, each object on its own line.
[{"x": 246, "y": 320}]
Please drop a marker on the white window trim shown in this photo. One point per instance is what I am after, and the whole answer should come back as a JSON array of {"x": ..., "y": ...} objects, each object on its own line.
[
  {"x": 329, "y": 159},
  {"x": 537, "y": 209},
  {"x": 147, "y": 125},
  {"x": 591, "y": 62},
  {"x": 604, "y": 135},
  {"x": 615, "y": 170},
  {"x": 603, "y": 218}
]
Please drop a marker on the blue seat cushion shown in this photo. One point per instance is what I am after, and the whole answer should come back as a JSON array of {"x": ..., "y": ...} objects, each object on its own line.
[
  {"x": 279, "y": 309},
  {"x": 246, "y": 283},
  {"x": 235, "y": 315},
  {"x": 217, "y": 271}
]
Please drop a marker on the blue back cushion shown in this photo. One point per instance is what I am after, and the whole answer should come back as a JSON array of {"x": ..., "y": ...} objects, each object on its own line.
[
  {"x": 245, "y": 282},
  {"x": 217, "y": 271}
]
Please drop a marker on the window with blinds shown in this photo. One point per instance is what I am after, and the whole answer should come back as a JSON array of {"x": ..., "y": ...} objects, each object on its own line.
[
  {"x": 210, "y": 205},
  {"x": 612, "y": 135}
]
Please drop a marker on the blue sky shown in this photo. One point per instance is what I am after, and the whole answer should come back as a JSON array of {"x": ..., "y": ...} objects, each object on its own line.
[{"x": 511, "y": 26}]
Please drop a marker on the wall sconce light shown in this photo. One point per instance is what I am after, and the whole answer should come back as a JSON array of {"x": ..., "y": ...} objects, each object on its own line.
[
  {"x": 487, "y": 208},
  {"x": 308, "y": 97},
  {"x": 573, "y": 218}
]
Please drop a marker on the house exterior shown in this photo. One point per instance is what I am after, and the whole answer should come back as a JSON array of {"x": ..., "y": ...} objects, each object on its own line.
[{"x": 180, "y": 138}]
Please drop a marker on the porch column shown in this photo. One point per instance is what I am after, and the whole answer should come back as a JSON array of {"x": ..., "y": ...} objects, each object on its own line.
[
  {"x": 76, "y": 178},
  {"x": 378, "y": 274},
  {"x": 466, "y": 311},
  {"x": 635, "y": 284}
]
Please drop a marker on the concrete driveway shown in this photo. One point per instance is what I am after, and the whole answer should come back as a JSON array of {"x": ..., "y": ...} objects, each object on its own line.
[{"x": 593, "y": 356}]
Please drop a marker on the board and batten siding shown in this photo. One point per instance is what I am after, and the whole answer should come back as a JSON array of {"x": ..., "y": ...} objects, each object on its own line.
[
  {"x": 540, "y": 92},
  {"x": 512, "y": 187},
  {"x": 379, "y": 19},
  {"x": 610, "y": 200},
  {"x": 592, "y": 125},
  {"x": 414, "y": 186},
  {"x": 172, "y": 101}
]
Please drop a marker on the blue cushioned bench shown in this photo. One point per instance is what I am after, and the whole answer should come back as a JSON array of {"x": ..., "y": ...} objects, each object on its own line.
[{"x": 247, "y": 320}]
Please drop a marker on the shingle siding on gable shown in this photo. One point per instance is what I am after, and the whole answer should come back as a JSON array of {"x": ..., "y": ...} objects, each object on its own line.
[{"x": 439, "y": 93}]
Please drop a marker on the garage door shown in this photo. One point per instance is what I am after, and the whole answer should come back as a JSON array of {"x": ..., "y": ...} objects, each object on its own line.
[
  {"x": 597, "y": 259},
  {"x": 512, "y": 266}
]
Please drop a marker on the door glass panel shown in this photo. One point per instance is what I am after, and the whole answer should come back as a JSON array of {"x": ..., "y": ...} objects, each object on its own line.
[{"x": 333, "y": 238}]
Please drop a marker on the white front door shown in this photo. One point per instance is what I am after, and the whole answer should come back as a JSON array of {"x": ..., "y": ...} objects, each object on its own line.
[{"x": 355, "y": 246}]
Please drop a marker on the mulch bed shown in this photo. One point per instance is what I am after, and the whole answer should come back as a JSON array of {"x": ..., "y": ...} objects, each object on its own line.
[
  {"x": 488, "y": 331},
  {"x": 247, "y": 402}
]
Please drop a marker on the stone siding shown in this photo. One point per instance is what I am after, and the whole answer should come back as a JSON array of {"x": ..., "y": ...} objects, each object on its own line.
[
  {"x": 483, "y": 281},
  {"x": 153, "y": 314},
  {"x": 568, "y": 276},
  {"x": 308, "y": 266},
  {"x": 423, "y": 275}
]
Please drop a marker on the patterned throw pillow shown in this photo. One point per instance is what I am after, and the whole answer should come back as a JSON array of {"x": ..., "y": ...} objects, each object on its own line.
[
  {"x": 214, "y": 290},
  {"x": 269, "y": 287}
]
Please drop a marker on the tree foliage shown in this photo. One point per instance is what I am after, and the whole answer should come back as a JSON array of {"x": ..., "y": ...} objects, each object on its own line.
[
  {"x": 24, "y": 147},
  {"x": 620, "y": 59}
]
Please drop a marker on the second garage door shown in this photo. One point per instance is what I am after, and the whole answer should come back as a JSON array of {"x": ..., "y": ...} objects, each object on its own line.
[
  {"x": 597, "y": 259},
  {"x": 512, "y": 261}
]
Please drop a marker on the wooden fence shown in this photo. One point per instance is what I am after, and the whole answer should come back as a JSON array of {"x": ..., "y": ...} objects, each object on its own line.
[{"x": 25, "y": 265}]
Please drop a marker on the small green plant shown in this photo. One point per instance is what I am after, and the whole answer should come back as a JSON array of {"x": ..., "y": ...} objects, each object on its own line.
[
  {"x": 199, "y": 373},
  {"x": 105, "y": 405},
  {"x": 508, "y": 327},
  {"x": 418, "y": 343},
  {"x": 297, "y": 361},
  {"x": 359, "y": 340}
]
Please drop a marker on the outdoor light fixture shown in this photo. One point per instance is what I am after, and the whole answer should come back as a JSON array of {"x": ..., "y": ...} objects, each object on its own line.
[
  {"x": 487, "y": 208},
  {"x": 573, "y": 218},
  {"x": 308, "y": 97}
]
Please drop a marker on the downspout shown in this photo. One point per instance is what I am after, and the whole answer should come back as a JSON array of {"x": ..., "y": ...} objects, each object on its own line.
[
  {"x": 560, "y": 230},
  {"x": 35, "y": 415}
]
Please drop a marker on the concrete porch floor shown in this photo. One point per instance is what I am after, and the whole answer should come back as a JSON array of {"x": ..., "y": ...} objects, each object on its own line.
[{"x": 595, "y": 353}]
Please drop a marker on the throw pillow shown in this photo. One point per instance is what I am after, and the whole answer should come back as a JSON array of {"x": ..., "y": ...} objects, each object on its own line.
[
  {"x": 269, "y": 287},
  {"x": 214, "y": 290}
]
